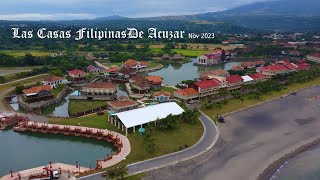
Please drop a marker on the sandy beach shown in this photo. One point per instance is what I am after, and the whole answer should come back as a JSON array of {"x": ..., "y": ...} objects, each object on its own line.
[{"x": 253, "y": 139}]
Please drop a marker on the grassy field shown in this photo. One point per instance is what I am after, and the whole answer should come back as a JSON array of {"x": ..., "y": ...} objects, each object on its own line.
[
  {"x": 9, "y": 71},
  {"x": 18, "y": 53},
  {"x": 190, "y": 52},
  {"x": 167, "y": 141},
  {"x": 236, "y": 104},
  {"x": 26, "y": 81},
  {"x": 76, "y": 106}
]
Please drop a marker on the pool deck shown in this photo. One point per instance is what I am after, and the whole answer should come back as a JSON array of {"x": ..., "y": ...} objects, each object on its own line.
[{"x": 116, "y": 158}]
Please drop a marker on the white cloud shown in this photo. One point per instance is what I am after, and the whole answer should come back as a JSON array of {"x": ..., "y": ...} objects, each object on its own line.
[{"x": 55, "y": 16}]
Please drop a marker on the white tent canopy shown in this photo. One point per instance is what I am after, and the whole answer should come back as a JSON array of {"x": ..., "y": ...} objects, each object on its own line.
[
  {"x": 148, "y": 114},
  {"x": 247, "y": 78}
]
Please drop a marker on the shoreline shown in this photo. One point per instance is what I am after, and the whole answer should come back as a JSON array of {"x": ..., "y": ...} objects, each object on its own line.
[{"x": 269, "y": 171}]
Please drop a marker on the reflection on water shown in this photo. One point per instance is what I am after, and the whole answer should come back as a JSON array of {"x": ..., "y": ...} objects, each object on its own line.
[
  {"x": 60, "y": 109},
  {"x": 26, "y": 150},
  {"x": 175, "y": 73},
  {"x": 305, "y": 166}
]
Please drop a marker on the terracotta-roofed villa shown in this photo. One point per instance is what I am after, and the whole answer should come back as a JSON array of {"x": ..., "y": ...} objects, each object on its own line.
[
  {"x": 134, "y": 64},
  {"x": 123, "y": 103},
  {"x": 98, "y": 91},
  {"x": 234, "y": 82},
  {"x": 53, "y": 81},
  {"x": 77, "y": 75},
  {"x": 154, "y": 81},
  {"x": 37, "y": 93},
  {"x": 186, "y": 94},
  {"x": 208, "y": 87},
  {"x": 162, "y": 96},
  {"x": 273, "y": 70},
  {"x": 93, "y": 69},
  {"x": 258, "y": 77}
]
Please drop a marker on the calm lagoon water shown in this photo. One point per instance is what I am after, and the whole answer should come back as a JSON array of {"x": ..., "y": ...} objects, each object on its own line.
[
  {"x": 19, "y": 151},
  {"x": 175, "y": 73}
]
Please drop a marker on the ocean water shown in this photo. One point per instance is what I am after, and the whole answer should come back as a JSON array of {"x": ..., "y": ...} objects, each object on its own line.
[{"x": 305, "y": 166}]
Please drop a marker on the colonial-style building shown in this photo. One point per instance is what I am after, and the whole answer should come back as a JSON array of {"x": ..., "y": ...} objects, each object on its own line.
[
  {"x": 212, "y": 58},
  {"x": 134, "y": 64},
  {"x": 234, "y": 82},
  {"x": 186, "y": 94},
  {"x": 53, "y": 81},
  {"x": 273, "y": 70},
  {"x": 139, "y": 84},
  {"x": 93, "y": 69},
  {"x": 100, "y": 90},
  {"x": 162, "y": 96},
  {"x": 77, "y": 75},
  {"x": 122, "y": 104},
  {"x": 154, "y": 81},
  {"x": 37, "y": 93}
]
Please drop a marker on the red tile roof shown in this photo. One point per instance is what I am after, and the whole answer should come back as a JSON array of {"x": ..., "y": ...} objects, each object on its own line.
[
  {"x": 130, "y": 63},
  {"x": 207, "y": 84},
  {"x": 76, "y": 72},
  {"x": 187, "y": 92},
  {"x": 52, "y": 78},
  {"x": 303, "y": 66},
  {"x": 101, "y": 85},
  {"x": 237, "y": 68},
  {"x": 122, "y": 102},
  {"x": 234, "y": 79},
  {"x": 257, "y": 76},
  {"x": 37, "y": 89},
  {"x": 91, "y": 67},
  {"x": 162, "y": 93},
  {"x": 113, "y": 69},
  {"x": 276, "y": 67},
  {"x": 154, "y": 79}
]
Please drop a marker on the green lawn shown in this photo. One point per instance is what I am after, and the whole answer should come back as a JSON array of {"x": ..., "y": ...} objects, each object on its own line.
[
  {"x": 26, "y": 81},
  {"x": 23, "y": 52},
  {"x": 236, "y": 104},
  {"x": 76, "y": 106},
  {"x": 167, "y": 89},
  {"x": 190, "y": 52},
  {"x": 168, "y": 141}
]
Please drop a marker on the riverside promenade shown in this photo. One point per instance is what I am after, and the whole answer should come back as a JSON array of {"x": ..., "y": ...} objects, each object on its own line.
[{"x": 120, "y": 141}]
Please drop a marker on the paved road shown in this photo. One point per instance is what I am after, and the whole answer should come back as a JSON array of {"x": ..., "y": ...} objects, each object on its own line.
[
  {"x": 205, "y": 143},
  {"x": 252, "y": 139}
]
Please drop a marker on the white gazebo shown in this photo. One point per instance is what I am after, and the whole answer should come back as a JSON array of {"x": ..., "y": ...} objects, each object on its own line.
[{"x": 145, "y": 115}]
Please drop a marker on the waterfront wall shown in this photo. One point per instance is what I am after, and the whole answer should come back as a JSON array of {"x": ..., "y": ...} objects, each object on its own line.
[{"x": 37, "y": 106}]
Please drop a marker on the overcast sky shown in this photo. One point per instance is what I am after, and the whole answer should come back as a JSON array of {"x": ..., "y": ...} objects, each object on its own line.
[{"x": 88, "y": 9}]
